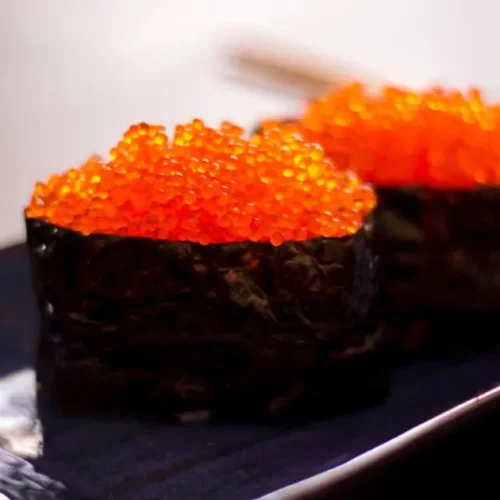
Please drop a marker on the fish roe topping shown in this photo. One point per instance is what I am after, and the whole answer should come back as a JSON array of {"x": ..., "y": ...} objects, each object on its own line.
[
  {"x": 434, "y": 138},
  {"x": 209, "y": 186}
]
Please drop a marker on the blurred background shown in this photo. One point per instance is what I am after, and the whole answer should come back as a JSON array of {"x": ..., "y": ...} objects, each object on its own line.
[{"x": 76, "y": 73}]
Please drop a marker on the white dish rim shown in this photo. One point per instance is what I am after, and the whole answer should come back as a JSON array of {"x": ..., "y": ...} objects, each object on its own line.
[{"x": 327, "y": 479}]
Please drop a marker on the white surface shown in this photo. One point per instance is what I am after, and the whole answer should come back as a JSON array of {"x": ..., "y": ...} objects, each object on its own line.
[{"x": 76, "y": 73}]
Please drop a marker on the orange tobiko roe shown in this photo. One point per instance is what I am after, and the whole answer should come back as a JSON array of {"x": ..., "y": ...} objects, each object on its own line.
[
  {"x": 434, "y": 138},
  {"x": 208, "y": 186}
]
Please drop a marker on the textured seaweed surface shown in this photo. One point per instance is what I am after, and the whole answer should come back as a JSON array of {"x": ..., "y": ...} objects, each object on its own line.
[
  {"x": 440, "y": 265},
  {"x": 244, "y": 328}
]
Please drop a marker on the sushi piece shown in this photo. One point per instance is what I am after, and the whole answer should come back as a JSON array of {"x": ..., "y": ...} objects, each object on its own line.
[
  {"x": 206, "y": 276},
  {"x": 434, "y": 159}
]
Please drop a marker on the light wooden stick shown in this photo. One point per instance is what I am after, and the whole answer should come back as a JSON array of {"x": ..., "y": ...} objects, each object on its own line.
[{"x": 285, "y": 69}]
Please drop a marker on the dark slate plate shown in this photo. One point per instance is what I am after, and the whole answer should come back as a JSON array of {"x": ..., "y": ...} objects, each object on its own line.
[{"x": 131, "y": 459}]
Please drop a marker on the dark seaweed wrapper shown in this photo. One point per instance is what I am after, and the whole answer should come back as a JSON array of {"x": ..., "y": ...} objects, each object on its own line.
[
  {"x": 440, "y": 265},
  {"x": 237, "y": 329}
]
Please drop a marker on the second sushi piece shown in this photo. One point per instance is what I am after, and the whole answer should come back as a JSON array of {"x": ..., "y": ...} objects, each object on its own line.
[
  {"x": 434, "y": 159},
  {"x": 209, "y": 274}
]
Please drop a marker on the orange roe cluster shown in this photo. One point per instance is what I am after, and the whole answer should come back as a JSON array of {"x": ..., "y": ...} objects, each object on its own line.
[
  {"x": 209, "y": 186},
  {"x": 434, "y": 138}
]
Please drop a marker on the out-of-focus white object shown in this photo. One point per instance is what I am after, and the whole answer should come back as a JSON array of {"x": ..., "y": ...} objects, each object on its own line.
[{"x": 20, "y": 429}]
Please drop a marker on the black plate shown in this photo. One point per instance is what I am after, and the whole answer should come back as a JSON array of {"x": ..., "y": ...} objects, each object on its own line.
[{"x": 130, "y": 459}]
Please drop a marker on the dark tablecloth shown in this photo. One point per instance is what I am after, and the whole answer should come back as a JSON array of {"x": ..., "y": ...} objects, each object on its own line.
[{"x": 130, "y": 459}]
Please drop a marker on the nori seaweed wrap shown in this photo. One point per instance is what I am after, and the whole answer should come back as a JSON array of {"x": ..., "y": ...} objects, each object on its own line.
[
  {"x": 440, "y": 259},
  {"x": 173, "y": 320}
]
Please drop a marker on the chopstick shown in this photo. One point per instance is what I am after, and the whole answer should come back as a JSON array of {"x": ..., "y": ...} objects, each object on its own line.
[
  {"x": 280, "y": 70},
  {"x": 287, "y": 70}
]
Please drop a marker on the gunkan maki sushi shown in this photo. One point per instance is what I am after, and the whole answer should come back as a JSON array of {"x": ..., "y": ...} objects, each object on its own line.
[
  {"x": 434, "y": 159},
  {"x": 206, "y": 276}
]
